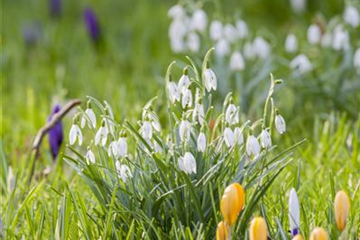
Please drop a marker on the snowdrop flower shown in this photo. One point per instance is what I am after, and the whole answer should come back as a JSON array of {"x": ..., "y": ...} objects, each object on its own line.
[
  {"x": 177, "y": 45},
  {"x": 301, "y": 63},
  {"x": 122, "y": 146},
  {"x": 201, "y": 142},
  {"x": 10, "y": 180},
  {"x": 237, "y": 62},
  {"x": 157, "y": 147},
  {"x": 113, "y": 149},
  {"x": 357, "y": 59},
  {"x": 176, "y": 11},
  {"x": 90, "y": 114},
  {"x": 298, "y": 6},
  {"x": 239, "y": 137},
  {"x": 340, "y": 39},
  {"x": 265, "y": 139},
  {"x": 280, "y": 124},
  {"x": 294, "y": 213},
  {"x": 187, "y": 98},
  {"x": 184, "y": 130},
  {"x": 216, "y": 29},
  {"x": 252, "y": 146},
  {"x": 222, "y": 47},
  {"x": 249, "y": 51},
  {"x": 351, "y": 16},
  {"x": 230, "y": 33},
  {"x": 184, "y": 81},
  {"x": 291, "y": 44},
  {"x": 326, "y": 40},
  {"x": 193, "y": 42},
  {"x": 199, "y": 114},
  {"x": 187, "y": 163},
  {"x": 174, "y": 92},
  {"x": 101, "y": 135},
  {"x": 177, "y": 31},
  {"x": 232, "y": 114},
  {"x": 75, "y": 134},
  {"x": 229, "y": 137},
  {"x": 89, "y": 157},
  {"x": 199, "y": 20},
  {"x": 123, "y": 171},
  {"x": 146, "y": 130},
  {"x": 210, "y": 79},
  {"x": 261, "y": 47},
  {"x": 242, "y": 29},
  {"x": 314, "y": 34}
]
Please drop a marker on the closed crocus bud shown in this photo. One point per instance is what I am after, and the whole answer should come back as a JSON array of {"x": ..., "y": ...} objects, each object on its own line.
[
  {"x": 223, "y": 231},
  {"x": 55, "y": 8},
  {"x": 232, "y": 202},
  {"x": 258, "y": 229},
  {"x": 294, "y": 213},
  {"x": 92, "y": 24},
  {"x": 56, "y": 135},
  {"x": 342, "y": 207},
  {"x": 319, "y": 234},
  {"x": 298, "y": 237}
]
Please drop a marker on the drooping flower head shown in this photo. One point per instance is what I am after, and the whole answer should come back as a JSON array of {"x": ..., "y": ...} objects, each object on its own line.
[
  {"x": 56, "y": 134},
  {"x": 92, "y": 24}
]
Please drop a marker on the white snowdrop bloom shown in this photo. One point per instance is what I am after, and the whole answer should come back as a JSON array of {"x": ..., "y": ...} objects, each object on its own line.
[
  {"x": 265, "y": 139},
  {"x": 230, "y": 33},
  {"x": 210, "y": 79},
  {"x": 101, "y": 135},
  {"x": 232, "y": 114},
  {"x": 10, "y": 180},
  {"x": 252, "y": 146},
  {"x": 222, "y": 47},
  {"x": 199, "y": 20},
  {"x": 123, "y": 171},
  {"x": 237, "y": 62},
  {"x": 298, "y": 6},
  {"x": 301, "y": 63},
  {"x": 229, "y": 137},
  {"x": 75, "y": 134},
  {"x": 357, "y": 59},
  {"x": 239, "y": 137},
  {"x": 113, "y": 149},
  {"x": 187, "y": 163},
  {"x": 187, "y": 98},
  {"x": 174, "y": 92},
  {"x": 314, "y": 34},
  {"x": 185, "y": 130},
  {"x": 261, "y": 47},
  {"x": 177, "y": 45},
  {"x": 91, "y": 115},
  {"x": 157, "y": 147},
  {"x": 177, "y": 32},
  {"x": 280, "y": 124},
  {"x": 199, "y": 114},
  {"x": 193, "y": 42},
  {"x": 122, "y": 146},
  {"x": 89, "y": 157},
  {"x": 340, "y": 38},
  {"x": 184, "y": 83},
  {"x": 155, "y": 122},
  {"x": 294, "y": 213},
  {"x": 249, "y": 51},
  {"x": 176, "y": 11},
  {"x": 352, "y": 16},
  {"x": 242, "y": 29},
  {"x": 146, "y": 130},
  {"x": 326, "y": 40},
  {"x": 291, "y": 44},
  {"x": 216, "y": 30},
  {"x": 201, "y": 142}
]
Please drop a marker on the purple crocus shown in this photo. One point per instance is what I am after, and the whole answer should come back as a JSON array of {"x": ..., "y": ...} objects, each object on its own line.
[
  {"x": 55, "y": 8},
  {"x": 92, "y": 24},
  {"x": 55, "y": 134},
  {"x": 32, "y": 33}
]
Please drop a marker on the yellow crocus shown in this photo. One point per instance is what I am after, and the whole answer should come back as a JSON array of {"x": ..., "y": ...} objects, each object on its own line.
[
  {"x": 223, "y": 231},
  {"x": 319, "y": 234},
  {"x": 232, "y": 202},
  {"x": 298, "y": 237},
  {"x": 258, "y": 229},
  {"x": 342, "y": 207}
]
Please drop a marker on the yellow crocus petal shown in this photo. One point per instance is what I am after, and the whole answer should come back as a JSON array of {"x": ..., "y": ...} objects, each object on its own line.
[
  {"x": 258, "y": 229},
  {"x": 298, "y": 237},
  {"x": 223, "y": 231},
  {"x": 232, "y": 202},
  {"x": 318, "y": 234},
  {"x": 342, "y": 207}
]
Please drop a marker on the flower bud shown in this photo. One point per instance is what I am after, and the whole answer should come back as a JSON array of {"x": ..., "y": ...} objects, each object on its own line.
[
  {"x": 258, "y": 229},
  {"x": 298, "y": 237},
  {"x": 232, "y": 202},
  {"x": 318, "y": 234},
  {"x": 222, "y": 231},
  {"x": 342, "y": 206}
]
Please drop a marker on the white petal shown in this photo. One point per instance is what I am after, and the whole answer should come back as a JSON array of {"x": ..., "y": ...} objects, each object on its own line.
[
  {"x": 280, "y": 124},
  {"x": 201, "y": 142},
  {"x": 72, "y": 134},
  {"x": 122, "y": 145},
  {"x": 91, "y": 116},
  {"x": 294, "y": 210},
  {"x": 82, "y": 122},
  {"x": 98, "y": 136},
  {"x": 229, "y": 137},
  {"x": 239, "y": 137}
]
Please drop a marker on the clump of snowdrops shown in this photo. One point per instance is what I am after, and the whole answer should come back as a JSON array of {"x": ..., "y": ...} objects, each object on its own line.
[{"x": 159, "y": 178}]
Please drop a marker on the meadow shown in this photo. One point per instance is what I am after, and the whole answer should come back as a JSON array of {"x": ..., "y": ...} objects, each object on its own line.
[{"x": 191, "y": 119}]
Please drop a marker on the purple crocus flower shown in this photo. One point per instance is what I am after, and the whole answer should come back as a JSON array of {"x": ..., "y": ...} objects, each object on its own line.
[
  {"x": 55, "y": 8},
  {"x": 92, "y": 24},
  {"x": 55, "y": 134},
  {"x": 32, "y": 33}
]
